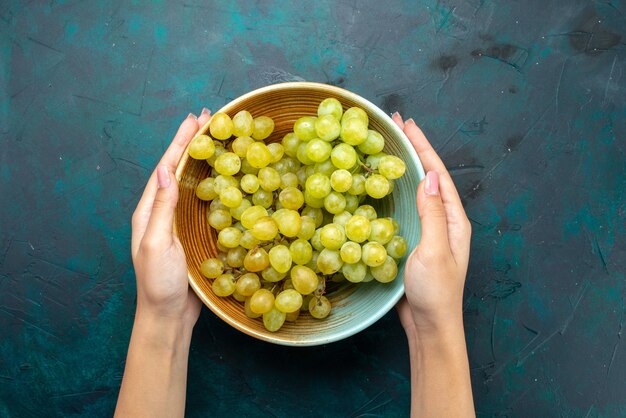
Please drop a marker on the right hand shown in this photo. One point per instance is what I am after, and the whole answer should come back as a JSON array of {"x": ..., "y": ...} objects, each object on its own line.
[{"x": 435, "y": 271}]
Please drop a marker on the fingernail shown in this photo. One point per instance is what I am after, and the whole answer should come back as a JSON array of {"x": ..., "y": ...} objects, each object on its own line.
[
  {"x": 410, "y": 120},
  {"x": 205, "y": 111},
  {"x": 191, "y": 115},
  {"x": 396, "y": 115},
  {"x": 164, "y": 177},
  {"x": 431, "y": 188}
]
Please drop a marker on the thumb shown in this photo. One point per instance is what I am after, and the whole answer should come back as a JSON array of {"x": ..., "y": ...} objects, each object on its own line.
[
  {"x": 433, "y": 218},
  {"x": 161, "y": 223}
]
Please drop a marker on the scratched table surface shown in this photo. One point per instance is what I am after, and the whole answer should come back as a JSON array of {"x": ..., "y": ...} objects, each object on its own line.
[{"x": 525, "y": 102}]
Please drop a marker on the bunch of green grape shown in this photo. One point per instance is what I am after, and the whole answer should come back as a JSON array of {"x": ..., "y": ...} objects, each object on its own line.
[{"x": 291, "y": 216}]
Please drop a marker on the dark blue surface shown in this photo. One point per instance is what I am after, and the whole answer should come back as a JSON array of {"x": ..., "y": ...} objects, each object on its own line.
[{"x": 525, "y": 101}]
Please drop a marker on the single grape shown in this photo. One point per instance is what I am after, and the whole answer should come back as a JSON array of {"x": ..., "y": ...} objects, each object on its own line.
[
  {"x": 318, "y": 185},
  {"x": 329, "y": 261},
  {"x": 332, "y": 236},
  {"x": 354, "y": 273},
  {"x": 335, "y": 203},
  {"x": 289, "y": 180},
  {"x": 288, "y": 301},
  {"x": 301, "y": 174},
  {"x": 235, "y": 256},
  {"x": 258, "y": 155},
  {"x": 240, "y": 227},
  {"x": 319, "y": 307},
  {"x": 243, "y": 124},
  {"x": 292, "y": 316},
  {"x": 265, "y": 229},
  {"x": 386, "y": 272},
  {"x": 397, "y": 247},
  {"x": 240, "y": 145},
  {"x": 288, "y": 222},
  {"x": 261, "y": 301},
  {"x": 257, "y": 259},
  {"x": 307, "y": 227},
  {"x": 358, "y": 185},
  {"x": 391, "y": 167},
  {"x": 350, "y": 252},
  {"x": 206, "y": 189},
  {"x": 358, "y": 228},
  {"x": 247, "y": 309},
  {"x": 212, "y": 267},
  {"x": 368, "y": 211},
  {"x": 396, "y": 226},
  {"x": 223, "y": 250},
  {"x": 352, "y": 202},
  {"x": 249, "y": 183},
  {"x": 305, "y": 128},
  {"x": 342, "y": 218},
  {"x": 251, "y": 215},
  {"x": 315, "y": 213},
  {"x": 263, "y": 127},
  {"x": 229, "y": 237},
  {"x": 246, "y": 168},
  {"x": 291, "y": 198},
  {"x": 220, "y": 219},
  {"x": 273, "y": 320},
  {"x": 373, "y": 144},
  {"x": 276, "y": 150},
  {"x": 221, "y": 126},
  {"x": 238, "y": 297},
  {"x": 303, "y": 279},
  {"x": 248, "y": 241},
  {"x": 248, "y": 284},
  {"x": 301, "y": 251},
  {"x": 269, "y": 179},
  {"x": 373, "y": 160},
  {"x": 318, "y": 150},
  {"x": 355, "y": 112},
  {"x": 343, "y": 156},
  {"x": 313, "y": 202},
  {"x": 271, "y": 275},
  {"x": 326, "y": 167},
  {"x": 330, "y": 106},
  {"x": 221, "y": 182},
  {"x": 302, "y": 155},
  {"x": 290, "y": 144},
  {"x": 201, "y": 147},
  {"x": 223, "y": 285},
  {"x": 341, "y": 180},
  {"x": 263, "y": 198},
  {"x": 280, "y": 258},
  {"x": 377, "y": 186},
  {"x": 327, "y": 128},
  {"x": 381, "y": 230},
  {"x": 373, "y": 254},
  {"x": 231, "y": 197},
  {"x": 354, "y": 131}
]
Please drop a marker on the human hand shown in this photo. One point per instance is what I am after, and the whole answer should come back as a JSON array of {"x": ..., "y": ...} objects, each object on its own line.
[
  {"x": 163, "y": 292},
  {"x": 435, "y": 271}
]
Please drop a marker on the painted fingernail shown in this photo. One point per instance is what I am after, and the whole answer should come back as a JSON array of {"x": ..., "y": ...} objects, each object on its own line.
[
  {"x": 205, "y": 111},
  {"x": 431, "y": 188},
  {"x": 396, "y": 115},
  {"x": 163, "y": 176},
  {"x": 192, "y": 116}
]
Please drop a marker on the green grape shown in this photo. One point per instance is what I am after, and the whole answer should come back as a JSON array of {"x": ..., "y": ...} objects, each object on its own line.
[
  {"x": 220, "y": 219},
  {"x": 221, "y": 126},
  {"x": 318, "y": 150},
  {"x": 318, "y": 186},
  {"x": 289, "y": 180},
  {"x": 265, "y": 229},
  {"x": 221, "y": 182},
  {"x": 276, "y": 150},
  {"x": 288, "y": 301},
  {"x": 235, "y": 256},
  {"x": 269, "y": 179},
  {"x": 329, "y": 261},
  {"x": 391, "y": 183},
  {"x": 280, "y": 258},
  {"x": 223, "y": 250},
  {"x": 302, "y": 155},
  {"x": 313, "y": 263},
  {"x": 353, "y": 131},
  {"x": 292, "y": 316},
  {"x": 381, "y": 230},
  {"x": 219, "y": 150},
  {"x": 291, "y": 198},
  {"x": 263, "y": 198},
  {"x": 246, "y": 168},
  {"x": 386, "y": 272},
  {"x": 240, "y": 227},
  {"x": 247, "y": 284},
  {"x": 258, "y": 155},
  {"x": 271, "y": 275},
  {"x": 305, "y": 302},
  {"x": 373, "y": 254},
  {"x": 342, "y": 218},
  {"x": 301, "y": 174},
  {"x": 239, "y": 210},
  {"x": 397, "y": 247},
  {"x": 334, "y": 203},
  {"x": 301, "y": 251},
  {"x": 368, "y": 211},
  {"x": 326, "y": 167},
  {"x": 377, "y": 186},
  {"x": 212, "y": 267},
  {"x": 289, "y": 222},
  {"x": 282, "y": 166},
  {"x": 307, "y": 227},
  {"x": 352, "y": 202},
  {"x": 263, "y": 127},
  {"x": 251, "y": 215},
  {"x": 247, "y": 309},
  {"x": 201, "y": 147},
  {"x": 305, "y": 128},
  {"x": 290, "y": 143},
  {"x": 243, "y": 124},
  {"x": 396, "y": 226},
  {"x": 391, "y": 167},
  {"x": 248, "y": 241},
  {"x": 316, "y": 241},
  {"x": 330, "y": 106},
  {"x": 358, "y": 228},
  {"x": 240, "y": 145},
  {"x": 358, "y": 185},
  {"x": 231, "y": 197},
  {"x": 206, "y": 189},
  {"x": 355, "y": 112},
  {"x": 273, "y": 320},
  {"x": 303, "y": 279},
  {"x": 249, "y": 183},
  {"x": 229, "y": 237},
  {"x": 261, "y": 301},
  {"x": 373, "y": 160},
  {"x": 223, "y": 285},
  {"x": 341, "y": 180},
  {"x": 313, "y": 202},
  {"x": 319, "y": 307},
  {"x": 238, "y": 297},
  {"x": 292, "y": 164},
  {"x": 350, "y": 252},
  {"x": 257, "y": 259},
  {"x": 315, "y": 213},
  {"x": 332, "y": 236},
  {"x": 343, "y": 156},
  {"x": 373, "y": 144},
  {"x": 354, "y": 273},
  {"x": 327, "y": 128}
]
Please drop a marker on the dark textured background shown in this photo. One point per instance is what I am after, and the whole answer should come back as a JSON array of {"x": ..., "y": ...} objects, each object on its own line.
[{"x": 524, "y": 100}]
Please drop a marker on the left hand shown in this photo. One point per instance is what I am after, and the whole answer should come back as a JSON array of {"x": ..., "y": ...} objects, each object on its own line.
[{"x": 158, "y": 257}]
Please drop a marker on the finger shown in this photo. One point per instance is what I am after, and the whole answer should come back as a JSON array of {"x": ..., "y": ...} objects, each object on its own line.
[
  {"x": 457, "y": 220},
  {"x": 434, "y": 244},
  {"x": 398, "y": 120},
  {"x": 159, "y": 232},
  {"x": 204, "y": 117},
  {"x": 142, "y": 213}
]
